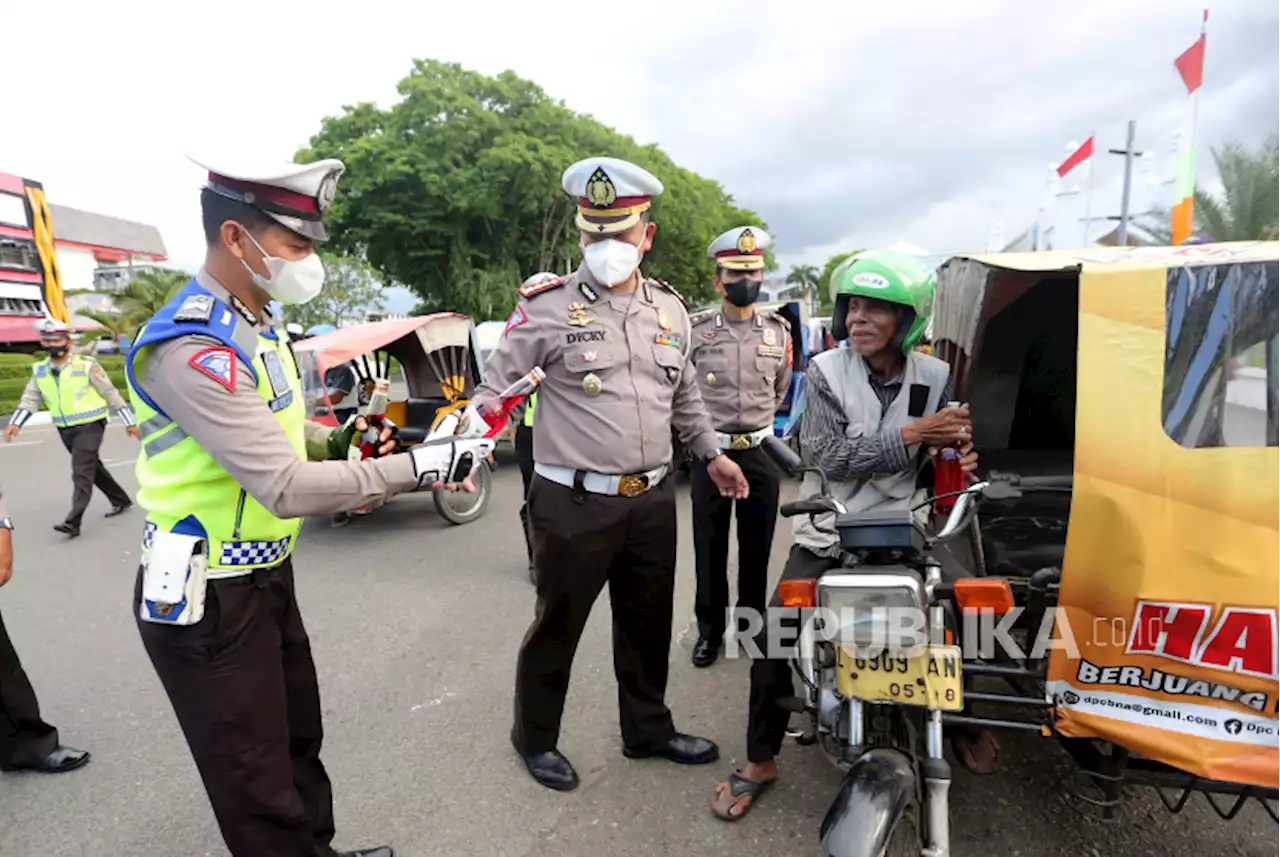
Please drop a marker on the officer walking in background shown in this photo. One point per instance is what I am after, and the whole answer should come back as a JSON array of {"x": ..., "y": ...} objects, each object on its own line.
[
  {"x": 77, "y": 393},
  {"x": 26, "y": 741},
  {"x": 743, "y": 365},
  {"x": 614, "y": 346},
  {"x": 229, "y": 467}
]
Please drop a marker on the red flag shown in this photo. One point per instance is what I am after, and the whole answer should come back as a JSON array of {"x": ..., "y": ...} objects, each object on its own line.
[
  {"x": 1082, "y": 154},
  {"x": 1191, "y": 65}
]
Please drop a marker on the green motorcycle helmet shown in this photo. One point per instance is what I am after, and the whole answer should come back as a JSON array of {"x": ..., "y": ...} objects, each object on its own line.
[{"x": 885, "y": 276}]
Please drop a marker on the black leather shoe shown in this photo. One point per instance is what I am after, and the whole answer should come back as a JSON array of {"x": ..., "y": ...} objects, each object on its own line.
[
  {"x": 380, "y": 851},
  {"x": 61, "y": 760},
  {"x": 118, "y": 510},
  {"x": 682, "y": 749},
  {"x": 705, "y": 652},
  {"x": 70, "y": 529},
  {"x": 551, "y": 769}
]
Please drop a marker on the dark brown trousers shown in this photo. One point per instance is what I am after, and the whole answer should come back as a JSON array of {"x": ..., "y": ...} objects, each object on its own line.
[
  {"x": 243, "y": 685},
  {"x": 87, "y": 469},
  {"x": 24, "y": 738},
  {"x": 581, "y": 542}
]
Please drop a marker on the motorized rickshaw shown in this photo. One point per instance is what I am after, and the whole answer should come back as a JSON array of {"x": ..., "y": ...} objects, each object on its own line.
[
  {"x": 1122, "y": 541},
  {"x": 432, "y": 367}
]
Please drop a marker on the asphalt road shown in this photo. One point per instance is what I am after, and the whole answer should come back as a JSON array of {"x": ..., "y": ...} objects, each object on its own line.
[{"x": 415, "y": 625}]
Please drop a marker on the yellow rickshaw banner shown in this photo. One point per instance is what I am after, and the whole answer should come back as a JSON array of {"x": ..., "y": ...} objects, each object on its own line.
[{"x": 1169, "y": 585}]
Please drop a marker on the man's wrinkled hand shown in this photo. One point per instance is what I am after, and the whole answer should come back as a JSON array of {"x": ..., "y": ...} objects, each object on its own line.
[
  {"x": 10, "y": 432},
  {"x": 729, "y": 478}
]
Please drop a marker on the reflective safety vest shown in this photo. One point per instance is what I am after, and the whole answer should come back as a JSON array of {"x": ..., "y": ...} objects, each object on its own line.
[
  {"x": 182, "y": 487},
  {"x": 70, "y": 396},
  {"x": 528, "y": 410}
]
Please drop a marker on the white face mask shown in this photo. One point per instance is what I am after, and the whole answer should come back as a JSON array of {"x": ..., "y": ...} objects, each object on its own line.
[
  {"x": 611, "y": 261},
  {"x": 290, "y": 282}
]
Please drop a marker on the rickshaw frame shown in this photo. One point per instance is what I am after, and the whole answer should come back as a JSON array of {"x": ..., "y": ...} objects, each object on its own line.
[{"x": 966, "y": 307}]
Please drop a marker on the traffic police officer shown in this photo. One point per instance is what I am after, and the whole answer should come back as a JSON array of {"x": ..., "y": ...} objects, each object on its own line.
[
  {"x": 614, "y": 345},
  {"x": 26, "y": 741},
  {"x": 743, "y": 360},
  {"x": 229, "y": 467},
  {"x": 77, "y": 393}
]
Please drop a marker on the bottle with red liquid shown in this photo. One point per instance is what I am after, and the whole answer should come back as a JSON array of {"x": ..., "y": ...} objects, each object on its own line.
[
  {"x": 367, "y": 441},
  {"x": 496, "y": 415},
  {"x": 947, "y": 474}
]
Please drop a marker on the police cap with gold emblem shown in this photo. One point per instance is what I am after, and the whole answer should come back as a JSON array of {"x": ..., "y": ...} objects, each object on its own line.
[
  {"x": 612, "y": 194},
  {"x": 741, "y": 248},
  {"x": 294, "y": 195}
]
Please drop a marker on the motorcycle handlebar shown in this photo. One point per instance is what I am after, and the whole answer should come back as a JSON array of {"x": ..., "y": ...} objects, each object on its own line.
[
  {"x": 782, "y": 455},
  {"x": 804, "y": 507}
]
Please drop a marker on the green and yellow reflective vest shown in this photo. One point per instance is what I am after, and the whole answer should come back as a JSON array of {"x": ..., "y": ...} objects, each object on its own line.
[
  {"x": 70, "y": 396},
  {"x": 528, "y": 410},
  {"x": 183, "y": 489}
]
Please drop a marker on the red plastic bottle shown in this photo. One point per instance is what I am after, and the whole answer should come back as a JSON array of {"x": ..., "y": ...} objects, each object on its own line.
[
  {"x": 497, "y": 415},
  {"x": 947, "y": 474}
]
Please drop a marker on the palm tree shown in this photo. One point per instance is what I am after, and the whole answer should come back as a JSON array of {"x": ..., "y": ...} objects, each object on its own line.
[
  {"x": 144, "y": 296},
  {"x": 1247, "y": 208},
  {"x": 806, "y": 277}
]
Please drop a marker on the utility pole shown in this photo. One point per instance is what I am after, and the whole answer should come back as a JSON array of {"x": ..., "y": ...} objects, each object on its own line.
[{"x": 1122, "y": 234}]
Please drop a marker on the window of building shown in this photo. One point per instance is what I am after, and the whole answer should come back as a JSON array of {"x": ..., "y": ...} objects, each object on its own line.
[
  {"x": 1220, "y": 374},
  {"x": 18, "y": 255}
]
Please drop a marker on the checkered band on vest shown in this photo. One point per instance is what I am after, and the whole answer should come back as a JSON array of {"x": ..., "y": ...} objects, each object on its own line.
[{"x": 254, "y": 553}]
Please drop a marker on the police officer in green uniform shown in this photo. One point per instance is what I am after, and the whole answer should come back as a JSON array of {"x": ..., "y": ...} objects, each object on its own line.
[
  {"x": 229, "y": 467},
  {"x": 77, "y": 393}
]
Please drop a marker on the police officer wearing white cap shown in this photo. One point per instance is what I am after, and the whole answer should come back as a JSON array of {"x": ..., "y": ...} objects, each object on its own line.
[
  {"x": 614, "y": 345},
  {"x": 76, "y": 391},
  {"x": 743, "y": 360},
  {"x": 229, "y": 467}
]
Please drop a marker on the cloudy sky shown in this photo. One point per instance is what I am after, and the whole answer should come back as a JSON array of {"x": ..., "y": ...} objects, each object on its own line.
[{"x": 844, "y": 124}]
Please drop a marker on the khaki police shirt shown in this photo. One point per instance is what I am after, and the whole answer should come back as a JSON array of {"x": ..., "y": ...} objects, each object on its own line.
[
  {"x": 238, "y": 429},
  {"x": 618, "y": 376},
  {"x": 33, "y": 399},
  {"x": 742, "y": 368}
]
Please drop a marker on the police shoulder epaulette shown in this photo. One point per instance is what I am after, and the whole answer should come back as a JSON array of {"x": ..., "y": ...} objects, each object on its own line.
[
  {"x": 670, "y": 289},
  {"x": 701, "y": 317},
  {"x": 528, "y": 290},
  {"x": 196, "y": 308}
]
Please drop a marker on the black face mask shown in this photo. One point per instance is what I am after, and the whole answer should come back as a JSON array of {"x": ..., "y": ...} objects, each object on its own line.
[
  {"x": 56, "y": 350},
  {"x": 742, "y": 293}
]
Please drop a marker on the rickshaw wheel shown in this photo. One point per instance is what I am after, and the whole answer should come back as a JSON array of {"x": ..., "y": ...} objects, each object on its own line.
[
  {"x": 455, "y": 512},
  {"x": 905, "y": 840}
]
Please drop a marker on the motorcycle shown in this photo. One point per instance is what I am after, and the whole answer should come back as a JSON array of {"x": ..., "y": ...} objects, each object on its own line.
[{"x": 878, "y": 712}]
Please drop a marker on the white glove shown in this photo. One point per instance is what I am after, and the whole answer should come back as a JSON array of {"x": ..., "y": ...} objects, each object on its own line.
[{"x": 448, "y": 461}]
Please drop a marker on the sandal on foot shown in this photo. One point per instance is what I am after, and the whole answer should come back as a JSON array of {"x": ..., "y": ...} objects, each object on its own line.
[{"x": 739, "y": 788}]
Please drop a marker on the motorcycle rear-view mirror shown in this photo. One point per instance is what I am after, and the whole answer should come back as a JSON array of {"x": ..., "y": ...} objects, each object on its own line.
[{"x": 782, "y": 455}]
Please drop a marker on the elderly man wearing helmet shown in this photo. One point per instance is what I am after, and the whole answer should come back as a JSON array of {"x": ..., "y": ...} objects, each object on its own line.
[{"x": 875, "y": 413}]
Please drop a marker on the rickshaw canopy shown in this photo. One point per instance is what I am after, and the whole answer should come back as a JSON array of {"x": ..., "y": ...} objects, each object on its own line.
[{"x": 433, "y": 332}]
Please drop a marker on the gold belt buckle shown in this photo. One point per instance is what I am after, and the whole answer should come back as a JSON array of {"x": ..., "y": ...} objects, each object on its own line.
[
  {"x": 738, "y": 442},
  {"x": 632, "y": 486}
]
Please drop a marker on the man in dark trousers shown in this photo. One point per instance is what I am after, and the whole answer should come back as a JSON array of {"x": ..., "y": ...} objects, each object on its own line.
[
  {"x": 614, "y": 346},
  {"x": 743, "y": 360},
  {"x": 26, "y": 741},
  {"x": 77, "y": 393}
]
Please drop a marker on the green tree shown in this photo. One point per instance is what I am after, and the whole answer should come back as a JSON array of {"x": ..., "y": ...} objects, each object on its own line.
[
  {"x": 1246, "y": 210},
  {"x": 351, "y": 288},
  {"x": 142, "y": 297},
  {"x": 455, "y": 190},
  {"x": 806, "y": 277}
]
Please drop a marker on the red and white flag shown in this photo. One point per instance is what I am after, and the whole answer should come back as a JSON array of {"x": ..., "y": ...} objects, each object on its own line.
[
  {"x": 1078, "y": 157},
  {"x": 1191, "y": 63}
]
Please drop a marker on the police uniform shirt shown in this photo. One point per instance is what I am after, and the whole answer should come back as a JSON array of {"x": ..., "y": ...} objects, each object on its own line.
[
  {"x": 742, "y": 368},
  {"x": 33, "y": 400},
  {"x": 237, "y": 428},
  {"x": 617, "y": 375}
]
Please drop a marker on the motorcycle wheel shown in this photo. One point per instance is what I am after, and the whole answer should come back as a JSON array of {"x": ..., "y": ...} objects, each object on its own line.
[{"x": 459, "y": 507}]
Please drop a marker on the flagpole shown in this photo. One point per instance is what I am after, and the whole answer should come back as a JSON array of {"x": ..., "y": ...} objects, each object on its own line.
[{"x": 1088, "y": 197}]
